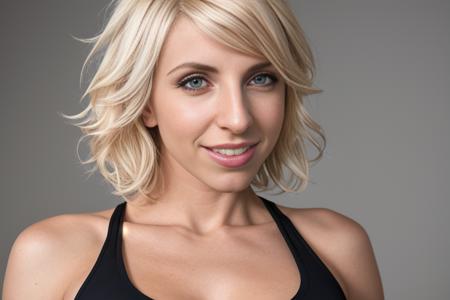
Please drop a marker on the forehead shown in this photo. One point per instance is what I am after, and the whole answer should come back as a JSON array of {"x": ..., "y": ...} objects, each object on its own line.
[{"x": 186, "y": 42}]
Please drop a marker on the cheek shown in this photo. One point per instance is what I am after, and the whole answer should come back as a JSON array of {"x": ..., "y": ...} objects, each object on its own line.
[
  {"x": 179, "y": 118},
  {"x": 270, "y": 114}
]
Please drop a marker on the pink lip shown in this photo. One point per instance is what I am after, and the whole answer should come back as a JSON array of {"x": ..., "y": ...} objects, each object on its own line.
[{"x": 232, "y": 161}]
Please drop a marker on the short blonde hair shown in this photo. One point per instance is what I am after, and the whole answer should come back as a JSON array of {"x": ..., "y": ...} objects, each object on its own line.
[{"x": 125, "y": 151}]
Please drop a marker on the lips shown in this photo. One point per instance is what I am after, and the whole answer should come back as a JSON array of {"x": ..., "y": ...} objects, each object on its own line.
[
  {"x": 232, "y": 161},
  {"x": 231, "y": 146}
]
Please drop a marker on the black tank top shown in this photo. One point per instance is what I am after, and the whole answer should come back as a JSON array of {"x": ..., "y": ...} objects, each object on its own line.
[{"x": 108, "y": 278}]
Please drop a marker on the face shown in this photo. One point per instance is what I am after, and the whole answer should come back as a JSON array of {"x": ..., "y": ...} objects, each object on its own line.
[{"x": 196, "y": 107}]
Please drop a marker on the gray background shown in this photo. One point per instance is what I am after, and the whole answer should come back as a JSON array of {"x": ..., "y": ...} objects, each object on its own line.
[{"x": 385, "y": 70}]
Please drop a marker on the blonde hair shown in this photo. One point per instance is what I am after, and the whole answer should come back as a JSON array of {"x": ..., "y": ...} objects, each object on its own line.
[{"x": 125, "y": 151}]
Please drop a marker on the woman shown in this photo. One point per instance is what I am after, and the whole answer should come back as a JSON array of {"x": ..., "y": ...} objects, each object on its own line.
[{"x": 192, "y": 103}]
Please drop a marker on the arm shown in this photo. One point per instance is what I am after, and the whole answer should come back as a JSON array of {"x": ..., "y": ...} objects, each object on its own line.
[
  {"x": 34, "y": 265},
  {"x": 353, "y": 256}
]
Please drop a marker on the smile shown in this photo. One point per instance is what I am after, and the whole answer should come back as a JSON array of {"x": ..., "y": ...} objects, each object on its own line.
[{"x": 232, "y": 158}]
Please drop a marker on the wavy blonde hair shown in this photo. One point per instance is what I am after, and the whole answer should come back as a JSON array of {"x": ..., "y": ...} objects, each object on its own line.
[{"x": 125, "y": 151}]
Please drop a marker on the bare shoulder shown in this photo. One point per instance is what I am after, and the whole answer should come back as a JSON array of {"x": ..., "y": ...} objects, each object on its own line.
[
  {"x": 344, "y": 246},
  {"x": 46, "y": 255}
]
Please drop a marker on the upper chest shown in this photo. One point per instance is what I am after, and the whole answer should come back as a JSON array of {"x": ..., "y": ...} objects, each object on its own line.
[{"x": 244, "y": 263}]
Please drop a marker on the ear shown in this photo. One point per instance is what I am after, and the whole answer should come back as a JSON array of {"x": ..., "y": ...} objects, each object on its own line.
[{"x": 148, "y": 116}]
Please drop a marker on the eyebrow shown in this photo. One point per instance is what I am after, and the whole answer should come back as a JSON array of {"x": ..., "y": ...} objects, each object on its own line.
[{"x": 212, "y": 69}]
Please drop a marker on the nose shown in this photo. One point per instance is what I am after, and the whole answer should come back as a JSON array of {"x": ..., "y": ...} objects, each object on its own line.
[{"x": 233, "y": 109}]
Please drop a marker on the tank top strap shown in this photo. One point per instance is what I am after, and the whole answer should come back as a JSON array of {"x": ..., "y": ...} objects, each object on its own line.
[
  {"x": 293, "y": 238},
  {"x": 115, "y": 226},
  {"x": 112, "y": 238},
  {"x": 317, "y": 277},
  {"x": 104, "y": 269},
  {"x": 288, "y": 230}
]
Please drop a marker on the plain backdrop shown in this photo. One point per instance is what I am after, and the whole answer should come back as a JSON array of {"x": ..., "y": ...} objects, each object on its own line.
[{"x": 384, "y": 67}]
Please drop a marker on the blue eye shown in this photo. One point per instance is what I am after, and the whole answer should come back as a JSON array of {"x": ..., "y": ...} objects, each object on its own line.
[
  {"x": 264, "y": 76},
  {"x": 194, "y": 83}
]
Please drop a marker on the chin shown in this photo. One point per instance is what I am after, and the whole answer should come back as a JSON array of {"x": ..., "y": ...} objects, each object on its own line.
[{"x": 232, "y": 183}]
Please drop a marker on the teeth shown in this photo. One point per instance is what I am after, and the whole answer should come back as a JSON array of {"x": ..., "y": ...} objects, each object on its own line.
[{"x": 231, "y": 151}]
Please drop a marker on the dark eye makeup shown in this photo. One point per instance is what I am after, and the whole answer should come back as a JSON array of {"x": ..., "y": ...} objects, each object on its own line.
[{"x": 199, "y": 77}]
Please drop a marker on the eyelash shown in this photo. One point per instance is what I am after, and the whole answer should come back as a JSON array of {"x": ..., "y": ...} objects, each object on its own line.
[{"x": 182, "y": 83}]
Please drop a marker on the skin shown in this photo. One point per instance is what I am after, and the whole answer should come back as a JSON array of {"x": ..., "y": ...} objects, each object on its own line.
[
  {"x": 208, "y": 220},
  {"x": 230, "y": 106}
]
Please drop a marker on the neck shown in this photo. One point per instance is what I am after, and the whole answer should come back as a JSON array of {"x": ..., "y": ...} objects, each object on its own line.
[{"x": 200, "y": 213}]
